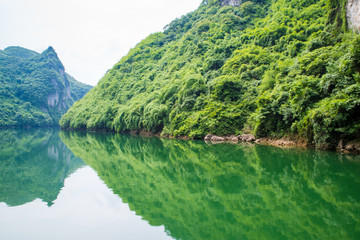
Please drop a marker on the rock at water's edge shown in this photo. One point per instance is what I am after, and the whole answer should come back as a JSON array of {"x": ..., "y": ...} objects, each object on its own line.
[
  {"x": 246, "y": 138},
  {"x": 208, "y": 137},
  {"x": 214, "y": 138}
]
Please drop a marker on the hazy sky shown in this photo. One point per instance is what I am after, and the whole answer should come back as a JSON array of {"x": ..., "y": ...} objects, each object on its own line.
[{"x": 89, "y": 36}]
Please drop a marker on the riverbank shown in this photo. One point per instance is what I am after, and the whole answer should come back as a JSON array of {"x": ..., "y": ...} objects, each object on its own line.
[
  {"x": 344, "y": 146},
  {"x": 280, "y": 142},
  {"x": 347, "y": 147}
]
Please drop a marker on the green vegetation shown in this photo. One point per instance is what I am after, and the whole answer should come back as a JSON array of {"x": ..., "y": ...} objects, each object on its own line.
[
  {"x": 34, "y": 88},
  {"x": 227, "y": 191},
  {"x": 33, "y": 164},
  {"x": 273, "y": 68}
]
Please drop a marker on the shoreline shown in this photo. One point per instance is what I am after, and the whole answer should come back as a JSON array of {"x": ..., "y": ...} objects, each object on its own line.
[{"x": 343, "y": 147}]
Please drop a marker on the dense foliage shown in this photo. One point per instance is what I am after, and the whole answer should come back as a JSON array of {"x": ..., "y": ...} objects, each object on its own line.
[
  {"x": 34, "y": 88},
  {"x": 274, "y": 68},
  {"x": 227, "y": 191}
]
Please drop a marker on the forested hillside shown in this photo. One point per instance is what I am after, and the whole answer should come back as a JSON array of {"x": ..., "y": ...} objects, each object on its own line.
[
  {"x": 34, "y": 88},
  {"x": 273, "y": 68}
]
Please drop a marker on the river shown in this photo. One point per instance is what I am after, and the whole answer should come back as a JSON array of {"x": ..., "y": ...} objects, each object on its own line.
[{"x": 77, "y": 185}]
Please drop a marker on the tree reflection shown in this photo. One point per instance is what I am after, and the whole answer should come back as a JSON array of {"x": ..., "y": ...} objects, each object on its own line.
[
  {"x": 226, "y": 191},
  {"x": 33, "y": 164}
]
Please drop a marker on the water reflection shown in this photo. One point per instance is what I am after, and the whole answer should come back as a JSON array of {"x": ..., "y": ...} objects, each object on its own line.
[
  {"x": 228, "y": 191},
  {"x": 33, "y": 164}
]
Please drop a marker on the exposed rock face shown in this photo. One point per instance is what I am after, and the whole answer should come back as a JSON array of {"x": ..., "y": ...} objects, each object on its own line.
[
  {"x": 231, "y": 3},
  {"x": 53, "y": 99},
  {"x": 353, "y": 14},
  {"x": 61, "y": 99}
]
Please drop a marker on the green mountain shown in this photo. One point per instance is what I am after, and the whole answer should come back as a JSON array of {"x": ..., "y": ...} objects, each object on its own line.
[
  {"x": 34, "y": 88},
  {"x": 273, "y": 68}
]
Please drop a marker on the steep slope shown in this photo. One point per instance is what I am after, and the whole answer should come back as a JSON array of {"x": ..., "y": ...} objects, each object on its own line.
[
  {"x": 34, "y": 88},
  {"x": 274, "y": 68}
]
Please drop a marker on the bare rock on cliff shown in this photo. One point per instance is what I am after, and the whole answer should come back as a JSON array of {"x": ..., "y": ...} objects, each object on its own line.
[
  {"x": 353, "y": 14},
  {"x": 231, "y": 2}
]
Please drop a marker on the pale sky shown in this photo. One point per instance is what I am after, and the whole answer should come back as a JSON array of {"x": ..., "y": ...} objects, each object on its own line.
[{"x": 89, "y": 36}]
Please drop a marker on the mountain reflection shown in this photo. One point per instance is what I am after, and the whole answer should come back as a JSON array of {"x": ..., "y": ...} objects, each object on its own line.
[
  {"x": 225, "y": 191},
  {"x": 33, "y": 164}
]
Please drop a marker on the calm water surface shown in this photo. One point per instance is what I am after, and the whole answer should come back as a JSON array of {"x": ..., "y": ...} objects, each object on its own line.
[{"x": 68, "y": 185}]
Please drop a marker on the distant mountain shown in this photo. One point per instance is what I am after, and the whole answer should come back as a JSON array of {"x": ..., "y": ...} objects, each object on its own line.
[
  {"x": 35, "y": 90},
  {"x": 19, "y": 52}
]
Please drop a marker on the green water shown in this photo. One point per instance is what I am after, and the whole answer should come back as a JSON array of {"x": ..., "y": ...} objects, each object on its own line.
[
  {"x": 33, "y": 164},
  {"x": 191, "y": 190}
]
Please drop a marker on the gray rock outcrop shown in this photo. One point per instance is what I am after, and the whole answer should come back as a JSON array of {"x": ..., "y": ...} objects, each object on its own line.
[
  {"x": 353, "y": 14},
  {"x": 231, "y": 2}
]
